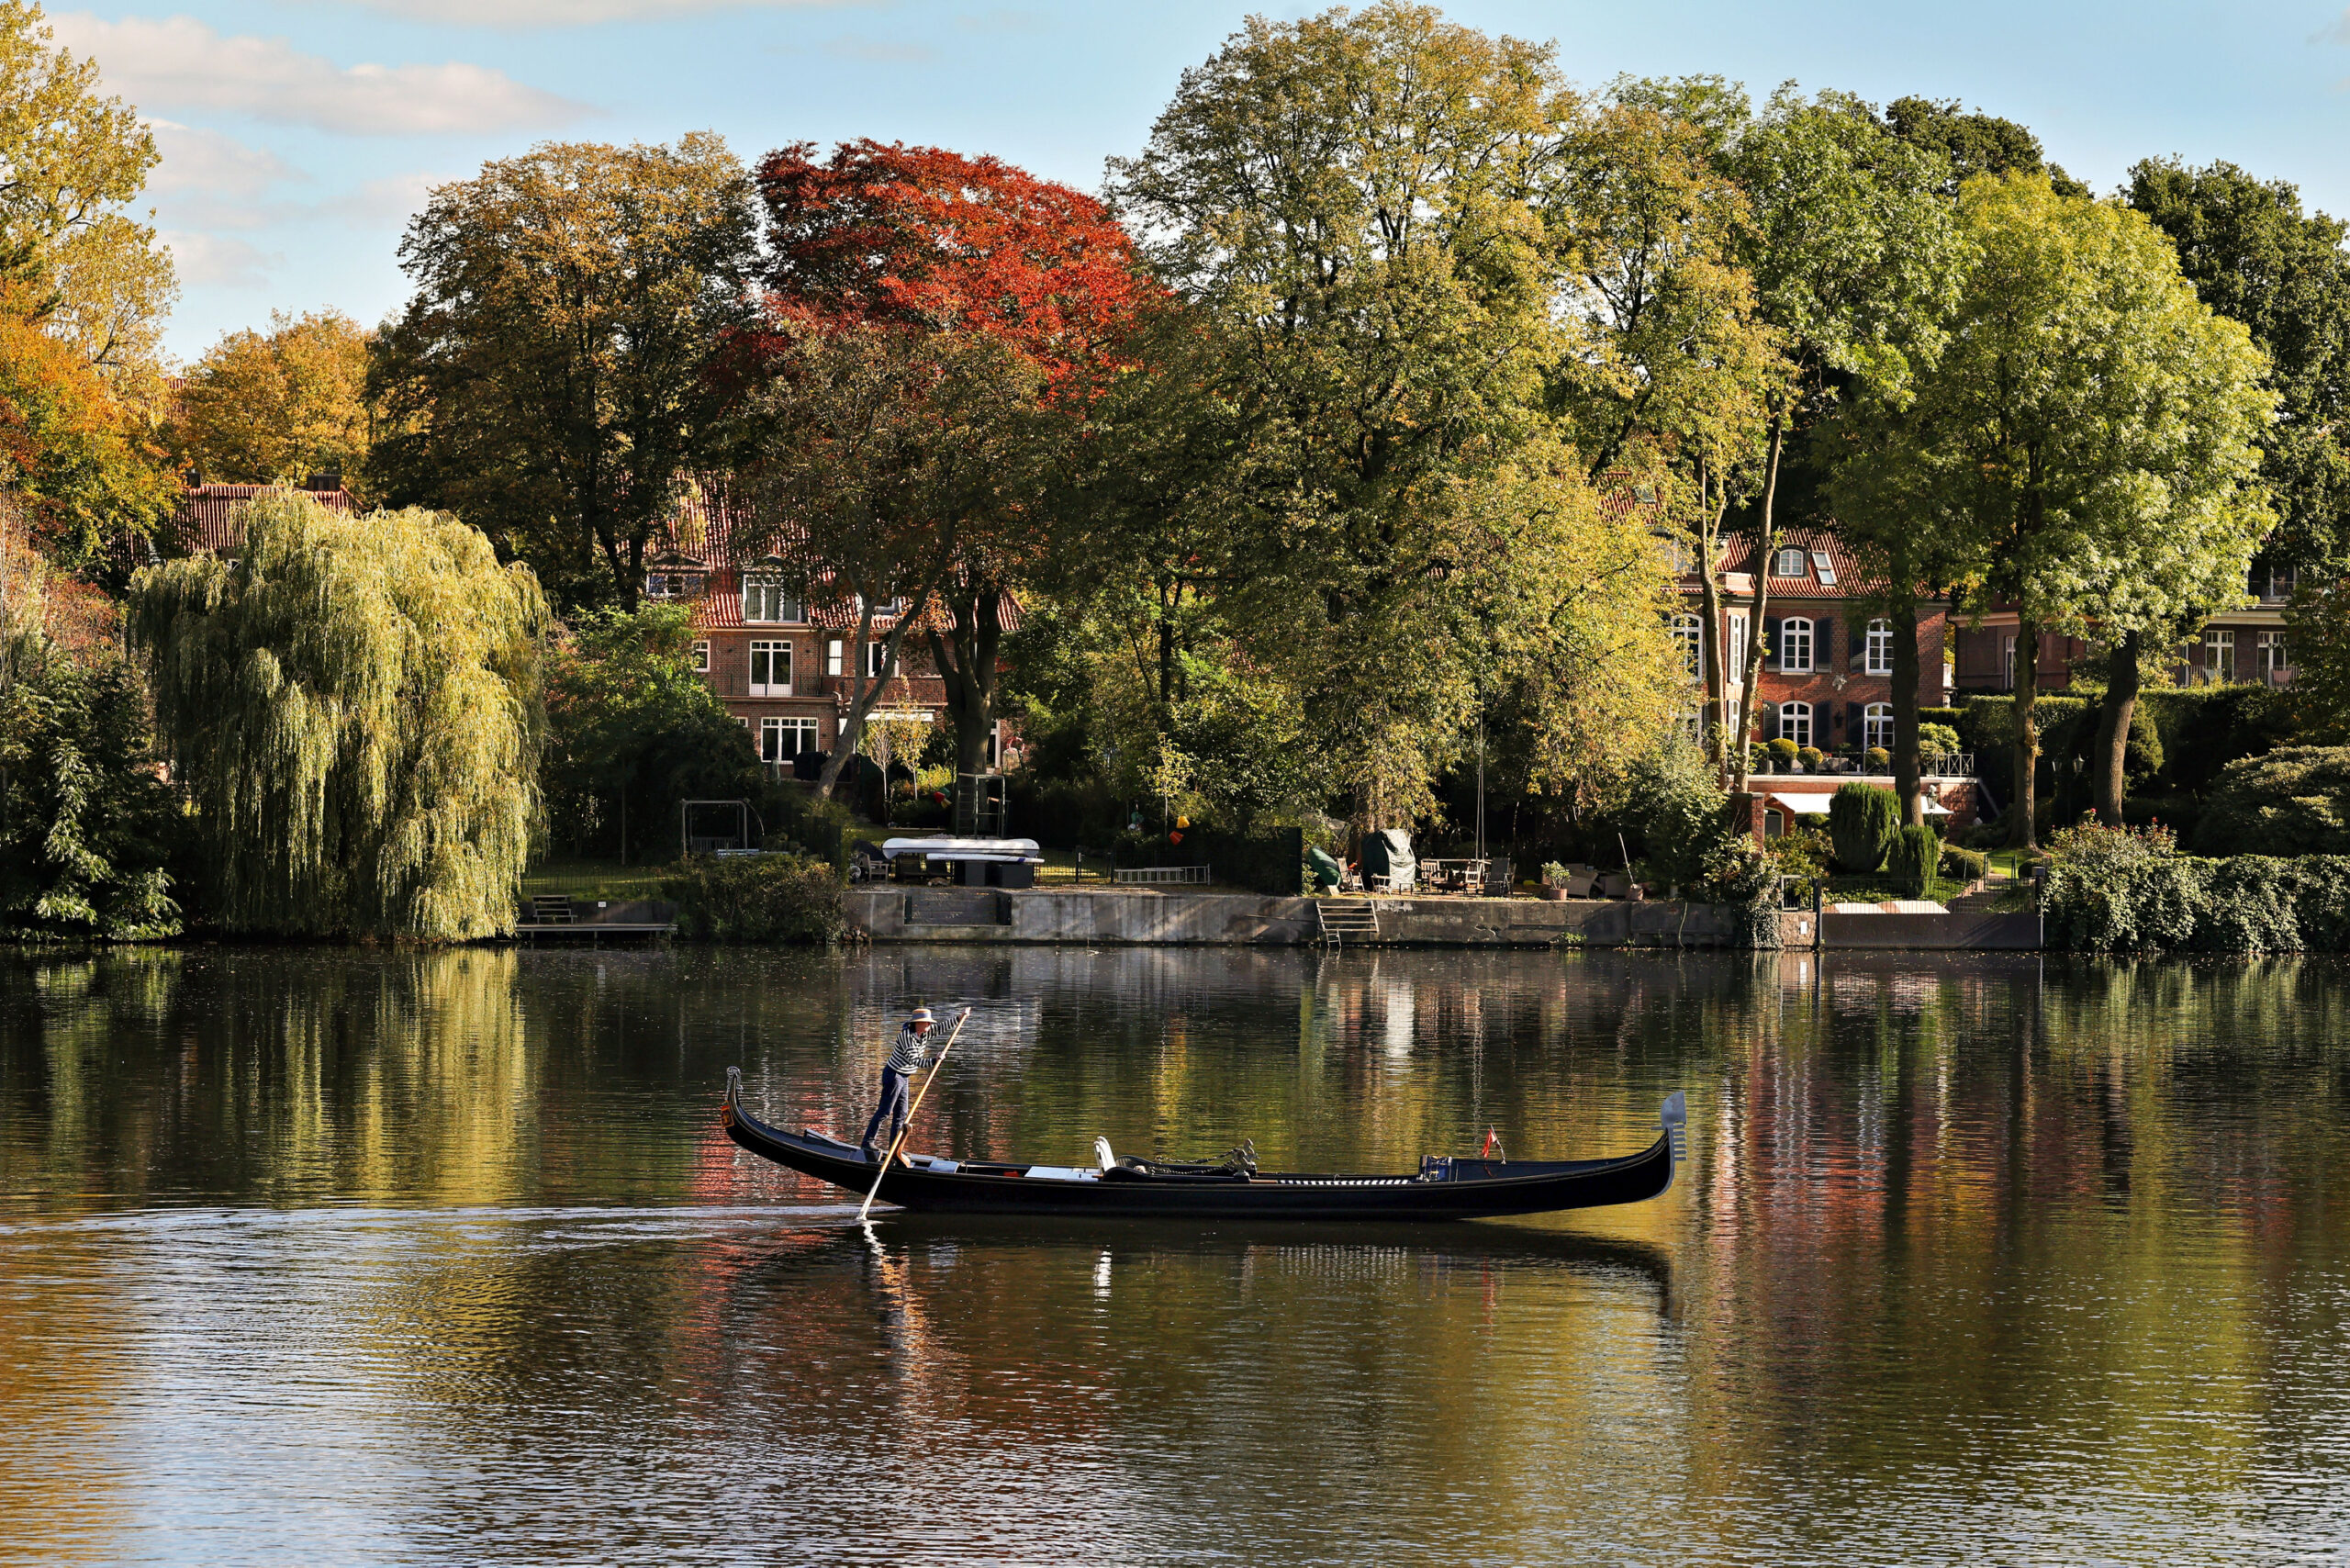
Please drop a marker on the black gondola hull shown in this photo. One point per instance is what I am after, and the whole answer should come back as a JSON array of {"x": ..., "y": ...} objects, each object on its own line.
[{"x": 1476, "y": 1190}]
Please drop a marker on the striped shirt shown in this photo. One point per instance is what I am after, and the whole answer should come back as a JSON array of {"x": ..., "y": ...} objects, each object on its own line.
[{"x": 908, "y": 1052}]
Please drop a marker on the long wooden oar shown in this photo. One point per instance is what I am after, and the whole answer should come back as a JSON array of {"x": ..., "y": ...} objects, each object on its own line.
[{"x": 912, "y": 1112}]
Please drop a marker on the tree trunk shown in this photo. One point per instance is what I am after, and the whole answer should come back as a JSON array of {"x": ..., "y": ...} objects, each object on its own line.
[
  {"x": 966, "y": 658},
  {"x": 1713, "y": 657},
  {"x": 2120, "y": 707},
  {"x": 865, "y": 693},
  {"x": 1903, "y": 618},
  {"x": 2024, "y": 832},
  {"x": 1766, "y": 541}
]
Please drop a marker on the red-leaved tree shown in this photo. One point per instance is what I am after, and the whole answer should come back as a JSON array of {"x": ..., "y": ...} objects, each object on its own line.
[{"x": 918, "y": 263}]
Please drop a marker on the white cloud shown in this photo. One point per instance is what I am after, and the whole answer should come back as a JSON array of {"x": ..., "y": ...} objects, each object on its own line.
[
  {"x": 218, "y": 261},
  {"x": 522, "y": 14},
  {"x": 205, "y": 163},
  {"x": 2337, "y": 31},
  {"x": 181, "y": 63}
]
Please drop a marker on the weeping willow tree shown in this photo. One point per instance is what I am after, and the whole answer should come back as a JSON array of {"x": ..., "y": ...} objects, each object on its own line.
[{"x": 355, "y": 708}]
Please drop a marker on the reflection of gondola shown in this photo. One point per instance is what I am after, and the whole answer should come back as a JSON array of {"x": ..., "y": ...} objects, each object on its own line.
[{"x": 1444, "y": 1189}]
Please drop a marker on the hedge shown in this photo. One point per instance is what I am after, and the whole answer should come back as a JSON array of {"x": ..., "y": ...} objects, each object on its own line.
[
  {"x": 757, "y": 898},
  {"x": 2249, "y": 903}
]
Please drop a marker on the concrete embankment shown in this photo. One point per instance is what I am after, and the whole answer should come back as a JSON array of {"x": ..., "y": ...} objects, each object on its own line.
[{"x": 1186, "y": 919}]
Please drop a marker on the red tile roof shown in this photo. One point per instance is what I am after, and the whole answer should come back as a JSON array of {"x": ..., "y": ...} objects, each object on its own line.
[
  {"x": 207, "y": 517},
  {"x": 1739, "y": 556}
]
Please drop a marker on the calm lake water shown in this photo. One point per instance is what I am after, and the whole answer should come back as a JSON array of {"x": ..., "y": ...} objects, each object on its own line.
[{"x": 372, "y": 1257}]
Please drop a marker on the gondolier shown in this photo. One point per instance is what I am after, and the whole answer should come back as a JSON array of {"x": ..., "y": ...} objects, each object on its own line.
[{"x": 911, "y": 1051}]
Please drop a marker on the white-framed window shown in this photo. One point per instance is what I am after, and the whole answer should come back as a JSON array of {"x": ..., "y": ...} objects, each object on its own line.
[
  {"x": 1877, "y": 659},
  {"x": 1795, "y": 645},
  {"x": 1737, "y": 649},
  {"x": 701, "y": 655},
  {"x": 1787, "y": 563},
  {"x": 1877, "y": 725},
  {"x": 2008, "y": 663},
  {"x": 1794, "y": 723},
  {"x": 835, "y": 658},
  {"x": 1824, "y": 567},
  {"x": 877, "y": 661},
  {"x": 2272, "y": 654},
  {"x": 2220, "y": 653},
  {"x": 672, "y": 585},
  {"x": 770, "y": 670},
  {"x": 1775, "y": 823},
  {"x": 780, "y": 740},
  {"x": 1689, "y": 637},
  {"x": 765, "y": 603}
]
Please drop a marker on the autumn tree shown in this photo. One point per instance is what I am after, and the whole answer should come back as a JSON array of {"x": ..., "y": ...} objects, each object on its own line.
[
  {"x": 1670, "y": 378},
  {"x": 83, "y": 290},
  {"x": 266, "y": 408},
  {"x": 972, "y": 293},
  {"x": 353, "y": 708},
  {"x": 2087, "y": 443},
  {"x": 549, "y": 379}
]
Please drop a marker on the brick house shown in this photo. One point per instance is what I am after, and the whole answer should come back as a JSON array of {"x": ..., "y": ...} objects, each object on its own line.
[
  {"x": 2244, "y": 645},
  {"x": 782, "y": 665},
  {"x": 1827, "y": 675},
  {"x": 205, "y": 521}
]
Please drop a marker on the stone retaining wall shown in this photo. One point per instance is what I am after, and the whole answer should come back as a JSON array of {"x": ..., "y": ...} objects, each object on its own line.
[{"x": 1148, "y": 916}]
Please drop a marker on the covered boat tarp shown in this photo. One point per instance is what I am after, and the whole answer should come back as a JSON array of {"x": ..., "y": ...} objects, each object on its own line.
[
  {"x": 1388, "y": 853},
  {"x": 1009, "y": 851},
  {"x": 1327, "y": 872}
]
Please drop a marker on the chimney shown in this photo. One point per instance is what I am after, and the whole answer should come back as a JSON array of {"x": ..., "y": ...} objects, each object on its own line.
[{"x": 324, "y": 482}]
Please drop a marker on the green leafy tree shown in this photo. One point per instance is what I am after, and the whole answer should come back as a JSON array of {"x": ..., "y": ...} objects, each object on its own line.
[
  {"x": 2255, "y": 257},
  {"x": 1358, "y": 205},
  {"x": 1862, "y": 821},
  {"x": 1856, "y": 258},
  {"x": 1970, "y": 142},
  {"x": 2086, "y": 443},
  {"x": 276, "y": 406},
  {"x": 551, "y": 377},
  {"x": 633, "y": 730},
  {"x": 87, "y": 828},
  {"x": 353, "y": 709}
]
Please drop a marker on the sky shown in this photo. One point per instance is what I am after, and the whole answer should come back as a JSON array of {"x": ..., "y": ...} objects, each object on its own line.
[{"x": 299, "y": 135}]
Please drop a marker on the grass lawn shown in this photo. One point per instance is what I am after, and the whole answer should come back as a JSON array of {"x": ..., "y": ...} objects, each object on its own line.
[
  {"x": 1876, "y": 889},
  {"x": 590, "y": 879}
]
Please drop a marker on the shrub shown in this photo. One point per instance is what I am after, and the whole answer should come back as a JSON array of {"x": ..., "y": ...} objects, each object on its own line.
[
  {"x": 1965, "y": 864},
  {"x": 807, "y": 822},
  {"x": 1879, "y": 757},
  {"x": 757, "y": 898},
  {"x": 1783, "y": 755},
  {"x": 1913, "y": 857},
  {"x": 1811, "y": 756},
  {"x": 1861, "y": 819},
  {"x": 2292, "y": 802},
  {"x": 1937, "y": 740}
]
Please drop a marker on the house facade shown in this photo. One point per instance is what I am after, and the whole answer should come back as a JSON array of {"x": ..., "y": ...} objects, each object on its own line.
[
  {"x": 206, "y": 521},
  {"x": 2244, "y": 644},
  {"x": 783, "y": 665},
  {"x": 1826, "y": 674}
]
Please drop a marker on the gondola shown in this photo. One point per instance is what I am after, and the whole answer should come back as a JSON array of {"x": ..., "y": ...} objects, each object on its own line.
[{"x": 1128, "y": 1188}]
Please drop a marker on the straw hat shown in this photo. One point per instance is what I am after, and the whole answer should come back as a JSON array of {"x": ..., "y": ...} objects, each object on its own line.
[{"x": 921, "y": 1015}]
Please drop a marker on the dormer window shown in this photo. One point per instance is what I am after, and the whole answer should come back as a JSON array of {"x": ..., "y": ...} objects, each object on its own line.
[
  {"x": 763, "y": 600},
  {"x": 1787, "y": 564},
  {"x": 1824, "y": 567},
  {"x": 672, "y": 585}
]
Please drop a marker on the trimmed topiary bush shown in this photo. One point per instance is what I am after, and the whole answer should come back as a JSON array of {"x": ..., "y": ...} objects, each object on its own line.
[
  {"x": 1937, "y": 740},
  {"x": 1783, "y": 755},
  {"x": 1862, "y": 821},
  {"x": 1879, "y": 757},
  {"x": 1913, "y": 857},
  {"x": 1965, "y": 864},
  {"x": 2295, "y": 800},
  {"x": 1811, "y": 756}
]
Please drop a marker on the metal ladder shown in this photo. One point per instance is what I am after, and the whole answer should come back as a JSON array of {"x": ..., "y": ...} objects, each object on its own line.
[{"x": 1339, "y": 919}]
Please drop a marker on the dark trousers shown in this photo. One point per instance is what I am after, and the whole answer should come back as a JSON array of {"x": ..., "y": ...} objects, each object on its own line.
[{"x": 893, "y": 1105}]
